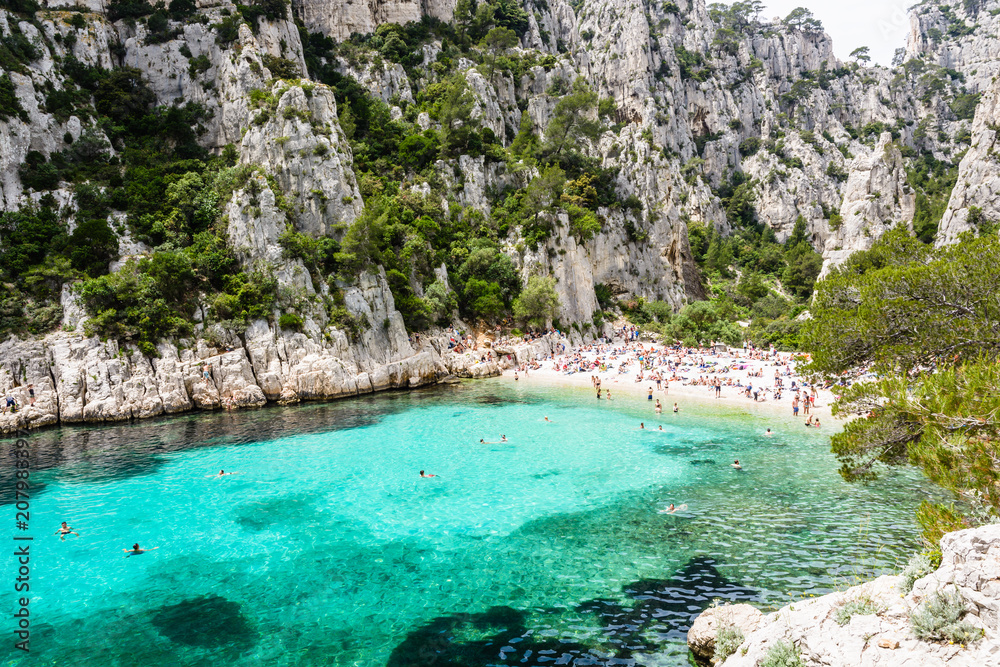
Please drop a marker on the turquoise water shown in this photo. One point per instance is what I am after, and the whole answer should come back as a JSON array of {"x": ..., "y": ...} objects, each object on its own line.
[{"x": 327, "y": 548}]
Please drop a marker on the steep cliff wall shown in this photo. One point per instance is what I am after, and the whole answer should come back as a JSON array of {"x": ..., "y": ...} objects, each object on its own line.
[{"x": 710, "y": 119}]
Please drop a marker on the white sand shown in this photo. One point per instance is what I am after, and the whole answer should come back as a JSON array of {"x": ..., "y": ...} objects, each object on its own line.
[{"x": 624, "y": 387}]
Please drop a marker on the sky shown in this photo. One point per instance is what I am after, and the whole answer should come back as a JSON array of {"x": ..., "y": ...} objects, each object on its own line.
[{"x": 881, "y": 25}]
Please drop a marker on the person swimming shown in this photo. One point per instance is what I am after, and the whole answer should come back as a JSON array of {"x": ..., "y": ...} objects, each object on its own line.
[
  {"x": 768, "y": 432},
  {"x": 736, "y": 464},
  {"x": 642, "y": 426},
  {"x": 503, "y": 438},
  {"x": 65, "y": 530},
  {"x": 423, "y": 474},
  {"x": 661, "y": 427},
  {"x": 548, "y": 420},
  {"x": 222, "y": 473},
  {"x": 135, "y": 550}
]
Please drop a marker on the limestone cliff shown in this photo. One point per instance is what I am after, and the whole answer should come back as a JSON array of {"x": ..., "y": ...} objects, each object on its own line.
[{"x": 696, "y": 101}]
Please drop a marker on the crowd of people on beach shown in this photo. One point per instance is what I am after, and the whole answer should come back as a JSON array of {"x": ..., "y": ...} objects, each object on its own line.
[{"x": 754, "y": 373}]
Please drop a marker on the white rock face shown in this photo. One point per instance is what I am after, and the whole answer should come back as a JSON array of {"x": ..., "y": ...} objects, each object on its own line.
[
  {"x": 978, "y": 182},
  {"x": 970, "y": 564},
  {"x": 303, "y": 146},
  {"x": 80, "y": 379},
  {"x": 340, "y": 19},
  {"x": 701, "y": 636},
  {"x": 875, "y": 200}
]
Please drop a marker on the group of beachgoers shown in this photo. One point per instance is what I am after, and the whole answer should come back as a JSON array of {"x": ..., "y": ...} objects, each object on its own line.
[
  {"x": 717, "y": 367},
  {"x": 11, "y": 403}
]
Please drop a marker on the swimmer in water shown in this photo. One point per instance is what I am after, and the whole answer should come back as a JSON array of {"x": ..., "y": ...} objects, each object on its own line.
[
  {"x": 223, "y": 473},
  {"x": 423, "y": 474},
  {"x": 768, "y": 432},
  {"x": 135, "y": 550},
  {"x": 671, "y": 509},
  {"x": 548, "y": 420},
  {"x": 736, "y": 464},
  {"x": 661, "y": 427},
  {"x": 65, "y": 530},
  {"x": 503, "y": 438},
  {"x": 642, "y": 426}
]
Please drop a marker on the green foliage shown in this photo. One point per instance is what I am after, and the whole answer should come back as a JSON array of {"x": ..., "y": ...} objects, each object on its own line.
[
  {"x": 692, "y": 64},
  {"x": 571, "y": 120},
  {"x": 128, "y": 9},
  {"x": 290, "y": 321},
  {"x": 727, "y": 639},
  {"x": 538, "y": 301},
  {"x": 939, "y": 618},
  {"x": 783, "y": 654},
  {"x": 10, "y": 104},
  {"x": 918, "y": 567},
  {"x": 922, "y": 318},
  {"x": 749, "y": 146},
  {"x": 803, "y": 263},
  {"x": 271, "y": 10},
  {"x": 933, "y": 181},
  {"x": 318, "y": 254},
  {"x": 863, "y": 606},
  {"x": 964, "y": 105},
  {"x": 281, "y": 68},
  {"x": 945, "y": 298},
  {"x": 133, "y": 305},
  {"x": 801, "y": 18},
  {"x": 37, "y": 173},
  {"x": 172, "y": 199}
]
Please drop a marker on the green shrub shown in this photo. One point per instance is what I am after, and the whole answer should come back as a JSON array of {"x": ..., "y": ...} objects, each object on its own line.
[
  {"x": 861, "y": 607},
  {"x": 281, "y": 68},
  {"x": 727, "y": 639},
  {"x": 10, "y": 104},
  {"x": 749, "y": 146},
  {"x": 783, "y": 654},
  {"x": 290, "y": 321},
  {"x": 939, "y": 618},
  {"x": 919, "y": 566}
]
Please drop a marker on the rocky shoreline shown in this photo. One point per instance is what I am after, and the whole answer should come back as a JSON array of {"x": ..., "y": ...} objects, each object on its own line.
[
  {"x": 81, "y": 379},
  {"x": 970, "y": 565}
]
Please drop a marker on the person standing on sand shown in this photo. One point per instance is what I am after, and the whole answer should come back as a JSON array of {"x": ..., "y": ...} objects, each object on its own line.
[
  {"x": 676, "y": 409},
  {"x": 650, "y": 397}
]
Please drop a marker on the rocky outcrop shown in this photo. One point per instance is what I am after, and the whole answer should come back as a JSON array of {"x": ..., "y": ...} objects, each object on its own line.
[
  {"x": 876, "y": 199},
  {"x": 975, "y": 200},
  {"x": 970, "y": 565},
  {"x": 701, "y": 637},
  {"x": 341, "y": 19},
  {"x": 76, "y": 378}
]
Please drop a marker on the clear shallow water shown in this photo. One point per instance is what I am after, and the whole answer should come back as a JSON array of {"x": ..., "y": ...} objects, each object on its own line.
[{"x": 328, "y": 549}]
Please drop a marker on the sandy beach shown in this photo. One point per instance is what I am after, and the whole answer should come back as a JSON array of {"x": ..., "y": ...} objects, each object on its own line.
[{"x": 685, "y": 393}]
